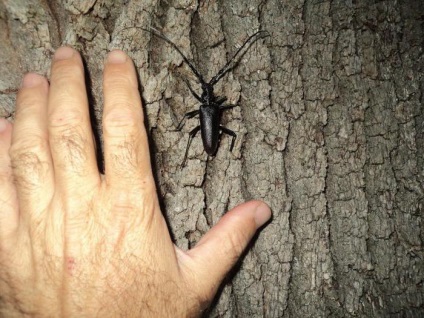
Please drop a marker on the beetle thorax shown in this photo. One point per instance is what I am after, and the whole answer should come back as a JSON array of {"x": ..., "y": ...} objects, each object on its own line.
[{"x": 207, "y": 95}]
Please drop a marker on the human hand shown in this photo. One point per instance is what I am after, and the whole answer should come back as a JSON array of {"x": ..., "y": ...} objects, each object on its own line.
[{"x": 74, "y": 242}]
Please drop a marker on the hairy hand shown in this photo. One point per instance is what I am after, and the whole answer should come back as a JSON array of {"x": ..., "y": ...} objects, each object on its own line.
[{"x": 77, "y": 243}]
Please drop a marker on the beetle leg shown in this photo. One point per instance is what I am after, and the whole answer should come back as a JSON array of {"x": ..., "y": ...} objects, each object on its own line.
[
  {"x": 187, "y": 115},
  {"x": 227, "y": 106},
  {"x": 231, "y": 133},
  {"x": 191, "y": 135},
  {"x": 221, "y": 100}
]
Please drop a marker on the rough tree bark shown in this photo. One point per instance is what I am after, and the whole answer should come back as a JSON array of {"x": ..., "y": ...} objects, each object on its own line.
[{"x": 330, "y": 133}]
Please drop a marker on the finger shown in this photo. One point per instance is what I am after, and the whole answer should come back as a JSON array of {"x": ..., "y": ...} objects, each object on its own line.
[
  {"x": 125, "y": 139},
  {"x": 70, "y": 132},
  {"x": 8, "y": 202},
  {"x": 222, "y": 246},
  {"x": 30, "y": 154}
]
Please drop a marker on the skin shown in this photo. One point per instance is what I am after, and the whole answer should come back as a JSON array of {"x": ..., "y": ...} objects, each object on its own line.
[{"x": 76, "y": 243}]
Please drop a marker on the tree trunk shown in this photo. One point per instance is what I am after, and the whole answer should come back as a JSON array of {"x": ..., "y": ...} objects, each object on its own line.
[{"x": 330, "y": 133}]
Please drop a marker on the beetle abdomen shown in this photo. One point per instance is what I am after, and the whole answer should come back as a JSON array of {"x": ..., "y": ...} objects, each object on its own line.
[{"x": 209, "y": 125}]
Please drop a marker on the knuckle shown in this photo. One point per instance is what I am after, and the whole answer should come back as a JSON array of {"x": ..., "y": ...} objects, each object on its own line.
[
  {"x": 237, "y": 240},
  {"x": 123, "y": 117},
  {"x": 137, "y": 206},
  {"x": 235, "y": 243},
  {"x": 68, "y": 98},
  {"x": 5, "y": 177},
  {"x": 68, "y": 83},
  {"x": 32, "y": 144},
  {"x": 125, "y": 159},
  {"x": 123, "y": 204},
  {"x": 66, "y": 118},
  {"x": 66, "y": 70},
  {"x": 118, "y": 78},
  {"x": 26, "y": 101},
  {"x": 29, "y": 163},
  {"x": 72, "y": 146}
]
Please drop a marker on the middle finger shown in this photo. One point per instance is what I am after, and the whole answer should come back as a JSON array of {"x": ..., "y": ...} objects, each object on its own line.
[{"x": 71, "y": 136}]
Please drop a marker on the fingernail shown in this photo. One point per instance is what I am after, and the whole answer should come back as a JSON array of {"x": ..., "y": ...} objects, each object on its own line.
[
  {"x": 116, "y": 57},
  {"x": 3, "y": 124},
  {"x": 63, "y": 53},
  {"x": 31, "y": 80},
  {"x": 262, "y": 214}
]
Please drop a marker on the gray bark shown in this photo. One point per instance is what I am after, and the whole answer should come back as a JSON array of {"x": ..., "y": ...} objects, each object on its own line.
[{"x": 330, "y": 134}]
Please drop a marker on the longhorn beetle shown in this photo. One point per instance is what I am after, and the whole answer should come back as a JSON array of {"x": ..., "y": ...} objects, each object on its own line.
[{"x": 211, "y": 106}]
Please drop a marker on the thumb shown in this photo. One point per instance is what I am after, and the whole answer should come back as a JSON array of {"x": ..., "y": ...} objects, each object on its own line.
[{"x": 220, "y": 248}]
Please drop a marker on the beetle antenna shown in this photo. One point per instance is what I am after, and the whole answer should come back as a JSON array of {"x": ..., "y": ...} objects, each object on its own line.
[
  {"x": 232, "y": 63},
  {"x": 166, "y": 39}
]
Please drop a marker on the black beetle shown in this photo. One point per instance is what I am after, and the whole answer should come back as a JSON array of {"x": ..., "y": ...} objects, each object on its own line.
[{"x": 212, "y": 106}]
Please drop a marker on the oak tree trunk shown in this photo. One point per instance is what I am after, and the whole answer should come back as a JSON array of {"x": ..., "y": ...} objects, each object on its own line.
[{"x": 330, "y": 133}]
